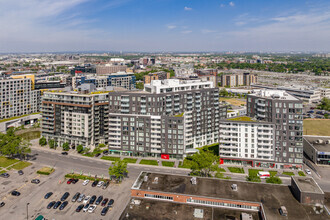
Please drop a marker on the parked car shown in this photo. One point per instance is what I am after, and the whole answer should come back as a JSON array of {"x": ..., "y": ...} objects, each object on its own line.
[
  {"x": 105, "y": 185},
  {"x": 97, "y": 155},
  {"x": 20, "y": 172},
  {"x": 86, "y": 199},
  {"x": 69, "y": 181},
  {"x": 283, "y": 211},
  {"x": 85, "y": 182},
  {"x": 2, "y": 204},
  {"x": 105, "y": 152},
  {"x": 100, "y": 184},
  {"x": 79, "y": 208},
  {"x": 57, "y": 204},
  {"x": 91, "y": 208},
  {"x": 5, "y": 175},
  {"x": 104, "y": 202},
  {"x": 111, "y": 202},
  {"x": 86, "y": 207},
  {"x": 105, "y": 210},
  {"x": 48, "y": 195},
  {"x": 51, "y": 204},
  {"x": 65, "y": 196},
  {"x": 65, "y": 203},
  {"x": 64, "y": 153},
  {"x": 75, "y": 197},
  {"x": 15, "y": 193},
  {"x": 95, "y": 183},
  {"x": 35, "y": 181},
  {"x": 81, "y": 197},
  {"x": 308, "y": 172},
  {"x": 99, "y": 200},
  {"x": 74, "y": 181},
  {"x": 92, "y": 200},
  {"x": 311, "y": 111}
]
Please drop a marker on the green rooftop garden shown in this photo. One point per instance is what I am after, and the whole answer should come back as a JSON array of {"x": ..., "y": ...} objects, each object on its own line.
[
  {"x": 241, "y": 118},
  {"x": 179, "y": 115},
  {"x": 16, "y": 117}
]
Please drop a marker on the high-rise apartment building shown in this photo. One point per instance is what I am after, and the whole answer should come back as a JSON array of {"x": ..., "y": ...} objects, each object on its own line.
[
  {"x": 76, "y": 117},
  {"x": 17, "y": 97},
  {"x": 275, "y": 128},
  {"x": 233, "y": 80},
  {"x": 170, "y": 118}
]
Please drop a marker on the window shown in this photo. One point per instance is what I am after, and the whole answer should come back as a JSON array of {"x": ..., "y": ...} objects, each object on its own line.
[{"x": 151, "y": 196}]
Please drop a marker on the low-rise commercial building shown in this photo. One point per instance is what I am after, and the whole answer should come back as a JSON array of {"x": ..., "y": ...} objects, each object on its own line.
[
  {"x": 317, "y": 149},
  {"x": 258, "y": 200},
  {"x": 156, "y": 76}
]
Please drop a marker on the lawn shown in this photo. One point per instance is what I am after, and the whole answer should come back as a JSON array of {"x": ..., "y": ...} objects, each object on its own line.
[
  {"x": 149, "y": 162},
  {"x": 232, "y": 101},
  {"x": 5, "y": 162},
  {"x": 30, "y": 135},
  {"x": 89, "y": 154},
  {"x": 236, "y": 170},
  {"x": 288, "y": 173},
  {"x": 254, "y": 172},
  {"x": 221, "y": 176},
  {"x": 110, "y": 158},
  {"x": 130, "y": 160},
  {"x": 272, "y": 173},
  {"x": 319, "y": 127},
  {"x": 83, "y": 177},
  {"x": 167, "y": 164},
  {"x": 301, "y": 173},
  {"x": 185, "y": 164},
  {"x": 241, "y": 118},
  {"x": 21, "y": 165},
  {"x": 45, "y": 171}
]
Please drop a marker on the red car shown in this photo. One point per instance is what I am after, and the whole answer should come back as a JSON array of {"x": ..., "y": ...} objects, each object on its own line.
[
  {"x": 104, "y": 202},
  {"x": 69, "y": 181}
]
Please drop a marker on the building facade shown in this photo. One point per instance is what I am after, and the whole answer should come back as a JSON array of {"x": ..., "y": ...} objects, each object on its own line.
[
  {"x": 120, "y": 79},
  {"x": 247, "y": 142},
  {"x": 317, "y": 149},
  {"x": 234, "y": 80},
  {"x": 106, "y": 69},
  {"x": 285, "y": 111},
  {"x": 75, "y": 118},
  {"x": 156, "y": 76},
  {"x": 18, "y": 97}
]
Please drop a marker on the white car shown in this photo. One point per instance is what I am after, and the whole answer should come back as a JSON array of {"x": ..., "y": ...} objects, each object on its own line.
[
  {"x": 91, "y": 208},
  {"x": 81, "y": 197},
  {"x": 85, "y": 182},
  {"x": 86, "y": 208},
  {"x": 86, "y": 199},
  {"x": 100, "y": 184},
  {"x": 308, "y": 172}
]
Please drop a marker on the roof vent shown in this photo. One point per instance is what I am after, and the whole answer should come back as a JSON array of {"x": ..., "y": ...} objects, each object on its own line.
[
  {"x": 145, "y": 179},
  {"x": 234, "y": 187},
  {"x": 155, "y": 181},
  {"x": 193, "y": 180}
]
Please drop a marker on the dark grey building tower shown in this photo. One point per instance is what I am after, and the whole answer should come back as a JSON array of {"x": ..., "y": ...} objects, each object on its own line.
[{"x": 285, "y": 111}]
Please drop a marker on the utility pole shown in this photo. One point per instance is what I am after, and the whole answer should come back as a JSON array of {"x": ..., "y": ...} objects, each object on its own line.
[{"x": 27, "y": 211}]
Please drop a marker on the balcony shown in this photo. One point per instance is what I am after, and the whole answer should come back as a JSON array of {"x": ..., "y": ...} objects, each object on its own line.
[{"x": 261, "y": 104}]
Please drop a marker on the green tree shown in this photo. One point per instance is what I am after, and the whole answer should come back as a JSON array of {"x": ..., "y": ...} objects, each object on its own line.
[
  {"x": 24, "y": 149},
  {"x": 102, "y": 145},
  {"x": 139, "y": 85},
  {"x": 66, "y": 146},
  {"x": 80, "y": 148},
  {"x": 204, "y": 162},
  {"x": 42, "y": 141},
  {"x": 223, "y": 93},
  {"x": 52, "y": 143},
  {"x": 118, "y": 169},
  {"x": 325, "y": 104}
]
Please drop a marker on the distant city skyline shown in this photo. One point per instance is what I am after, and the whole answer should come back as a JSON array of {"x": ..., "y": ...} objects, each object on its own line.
[{"x": 164, "y": 25}]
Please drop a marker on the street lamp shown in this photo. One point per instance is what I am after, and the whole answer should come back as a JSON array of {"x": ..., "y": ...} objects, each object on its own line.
[{"x": 27, "y": 211}]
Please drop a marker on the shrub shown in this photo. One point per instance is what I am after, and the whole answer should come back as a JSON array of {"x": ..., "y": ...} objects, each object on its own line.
[
  {"x": 80, "y": 148},
  {"x": 301, "y": 173},
  {"x": 42, "y": 141},
  {"x": 288, "y": 173},
  {"x": 167, "y": 164},
  {"x": 253, "y": 179},
  {"x": 274, "y": 180},
  {"x": 66, "y": 146}
]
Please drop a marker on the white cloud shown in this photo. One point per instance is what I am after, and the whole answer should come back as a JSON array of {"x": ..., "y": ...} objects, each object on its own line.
[
  {"x": 171, "y": 26},
  {"x": 222, "y": 5},
  {"x": 232, "y": 4},
  {"x": 186, "y": 32},
  {"x": 187, "y": 8},
  {"x": 207, "y": 31}
]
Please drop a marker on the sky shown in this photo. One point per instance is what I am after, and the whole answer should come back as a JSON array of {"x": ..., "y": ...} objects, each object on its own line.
[{"x": 164, "y": 25}]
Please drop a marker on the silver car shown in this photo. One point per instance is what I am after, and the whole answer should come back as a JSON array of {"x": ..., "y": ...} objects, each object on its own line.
[{"x": 81, "y": 197}]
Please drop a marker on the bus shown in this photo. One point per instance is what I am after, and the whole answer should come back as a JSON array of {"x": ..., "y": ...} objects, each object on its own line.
[{"x": 263, "y": 174}]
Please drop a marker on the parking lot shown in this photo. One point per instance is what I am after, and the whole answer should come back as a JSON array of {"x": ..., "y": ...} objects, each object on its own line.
[{"x": 16, "y": 207}]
